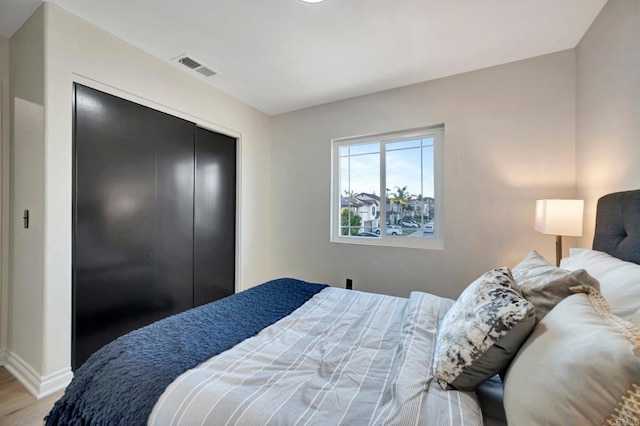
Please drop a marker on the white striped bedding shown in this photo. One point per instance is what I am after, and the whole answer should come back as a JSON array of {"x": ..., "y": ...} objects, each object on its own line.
[{"x": 344, "y": 357}]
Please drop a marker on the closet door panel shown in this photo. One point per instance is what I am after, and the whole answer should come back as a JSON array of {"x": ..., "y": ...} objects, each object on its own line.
[
  {"x": 133, "y": 218},
  {"x": 214, "y": 216}
]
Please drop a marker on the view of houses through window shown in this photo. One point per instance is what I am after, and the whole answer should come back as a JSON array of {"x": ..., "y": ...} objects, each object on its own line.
[
  {"x": 360, "y": 215},
  {"x": 387, "y": 187}
]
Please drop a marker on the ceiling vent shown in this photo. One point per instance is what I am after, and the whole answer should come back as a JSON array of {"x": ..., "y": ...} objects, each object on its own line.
[{"x": 194, "y": 64}]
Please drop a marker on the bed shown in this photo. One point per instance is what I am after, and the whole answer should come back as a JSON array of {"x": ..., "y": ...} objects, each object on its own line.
[{"x": 292, "y": 352}]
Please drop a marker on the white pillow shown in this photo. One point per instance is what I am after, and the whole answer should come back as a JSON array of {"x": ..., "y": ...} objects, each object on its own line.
[
  {"x": 619, "y": 280},
  {"x": 580, "y": 366}
]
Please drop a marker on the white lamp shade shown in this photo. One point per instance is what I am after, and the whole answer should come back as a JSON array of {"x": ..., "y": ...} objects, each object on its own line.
[{"x": 559, "y": 217}]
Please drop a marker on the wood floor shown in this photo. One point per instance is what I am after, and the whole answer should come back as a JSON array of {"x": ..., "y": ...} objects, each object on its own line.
[{"x": 18, "y": 406}]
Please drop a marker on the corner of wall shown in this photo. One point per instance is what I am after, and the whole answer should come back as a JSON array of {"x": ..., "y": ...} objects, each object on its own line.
[
  {"x": 607, "y": 96},
  {"x": 4, "y": 194},
  {"x": 4, "y": 215},
  {"x": 39, "y": 386}
]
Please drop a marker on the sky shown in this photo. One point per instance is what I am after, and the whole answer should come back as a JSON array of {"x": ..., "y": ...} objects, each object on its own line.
[{"x": 403, "y": 161}]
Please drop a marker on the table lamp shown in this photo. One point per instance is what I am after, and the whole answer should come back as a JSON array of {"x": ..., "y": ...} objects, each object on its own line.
[{"x": 559, "y": 218}]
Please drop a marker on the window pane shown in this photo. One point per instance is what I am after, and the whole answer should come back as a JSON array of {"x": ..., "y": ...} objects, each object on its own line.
[
  {"x": 410, "y": 188},
  {"x": 427, "y": 205},
  {"x": 359, "y": 183}
]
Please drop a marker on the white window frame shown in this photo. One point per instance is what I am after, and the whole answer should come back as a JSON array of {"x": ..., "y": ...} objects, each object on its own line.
[{"x": 433, "y": 243}]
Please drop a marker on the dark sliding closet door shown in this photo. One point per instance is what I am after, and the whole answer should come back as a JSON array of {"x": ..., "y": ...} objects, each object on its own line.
[
  {"x": 133, "y": 218},
  {"x": 214, "y": 216}
]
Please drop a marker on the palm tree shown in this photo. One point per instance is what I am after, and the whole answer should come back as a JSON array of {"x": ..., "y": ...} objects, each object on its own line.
[{"x": 402, "y": 198}]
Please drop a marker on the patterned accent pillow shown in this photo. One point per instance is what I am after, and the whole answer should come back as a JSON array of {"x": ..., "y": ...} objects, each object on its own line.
[{"x": 482, "y": 332}]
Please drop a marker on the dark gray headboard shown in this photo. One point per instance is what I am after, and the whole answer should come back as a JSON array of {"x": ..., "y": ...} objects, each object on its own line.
[{"x": 618, "y": 225}]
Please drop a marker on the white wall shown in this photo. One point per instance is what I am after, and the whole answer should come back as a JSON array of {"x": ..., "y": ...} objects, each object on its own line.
[
  {"x": 608, "y": 106},
  {"x": 509, "y": 140},
  {"x": 75, "y": 50},
  {"x": 26, "y": 253},
  {"x": 4, "y": 193}
]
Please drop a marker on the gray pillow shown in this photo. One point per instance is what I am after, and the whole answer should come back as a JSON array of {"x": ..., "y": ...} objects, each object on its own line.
[
  {"x": 482, "y": 331},
  {"x": 545, "y": 285},
  {"x": 580, "y": 366}
]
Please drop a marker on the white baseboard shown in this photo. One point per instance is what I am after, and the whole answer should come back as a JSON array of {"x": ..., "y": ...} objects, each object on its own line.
[
  {"x": 38, "y": 386},
  {"x": 24, "y": 373},
  {"x": 3, "y": 357},
  {"x": 54, "y": 382}
]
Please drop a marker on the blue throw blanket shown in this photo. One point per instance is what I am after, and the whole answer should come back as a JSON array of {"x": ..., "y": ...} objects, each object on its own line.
[{"x": 120, "y": 384}]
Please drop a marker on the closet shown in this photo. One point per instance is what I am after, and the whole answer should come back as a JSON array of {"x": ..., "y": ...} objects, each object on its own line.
[{"x": 154, "y": 217}]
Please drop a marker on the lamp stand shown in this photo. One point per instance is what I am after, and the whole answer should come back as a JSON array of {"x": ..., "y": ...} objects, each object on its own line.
[{"x": 558, "y": 249}]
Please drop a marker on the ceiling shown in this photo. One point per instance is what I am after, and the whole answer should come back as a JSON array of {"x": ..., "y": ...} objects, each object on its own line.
[{"x": 284, "y": 55}]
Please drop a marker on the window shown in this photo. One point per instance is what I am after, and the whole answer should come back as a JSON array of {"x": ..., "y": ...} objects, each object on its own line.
[{"x": 387, "y": 189}]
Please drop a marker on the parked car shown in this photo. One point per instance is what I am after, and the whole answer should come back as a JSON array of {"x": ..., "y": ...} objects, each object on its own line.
[
  {"x": 391, "y": 230},
  {"x": 367, "y": 234},
  {"x": 394, "y": 230},
  {"x": 429, "y": 228},
  {"x": 409, "y": 223}
]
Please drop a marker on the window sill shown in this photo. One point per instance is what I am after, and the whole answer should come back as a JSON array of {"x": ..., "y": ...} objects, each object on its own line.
[{"x": 428, "y": 243}]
